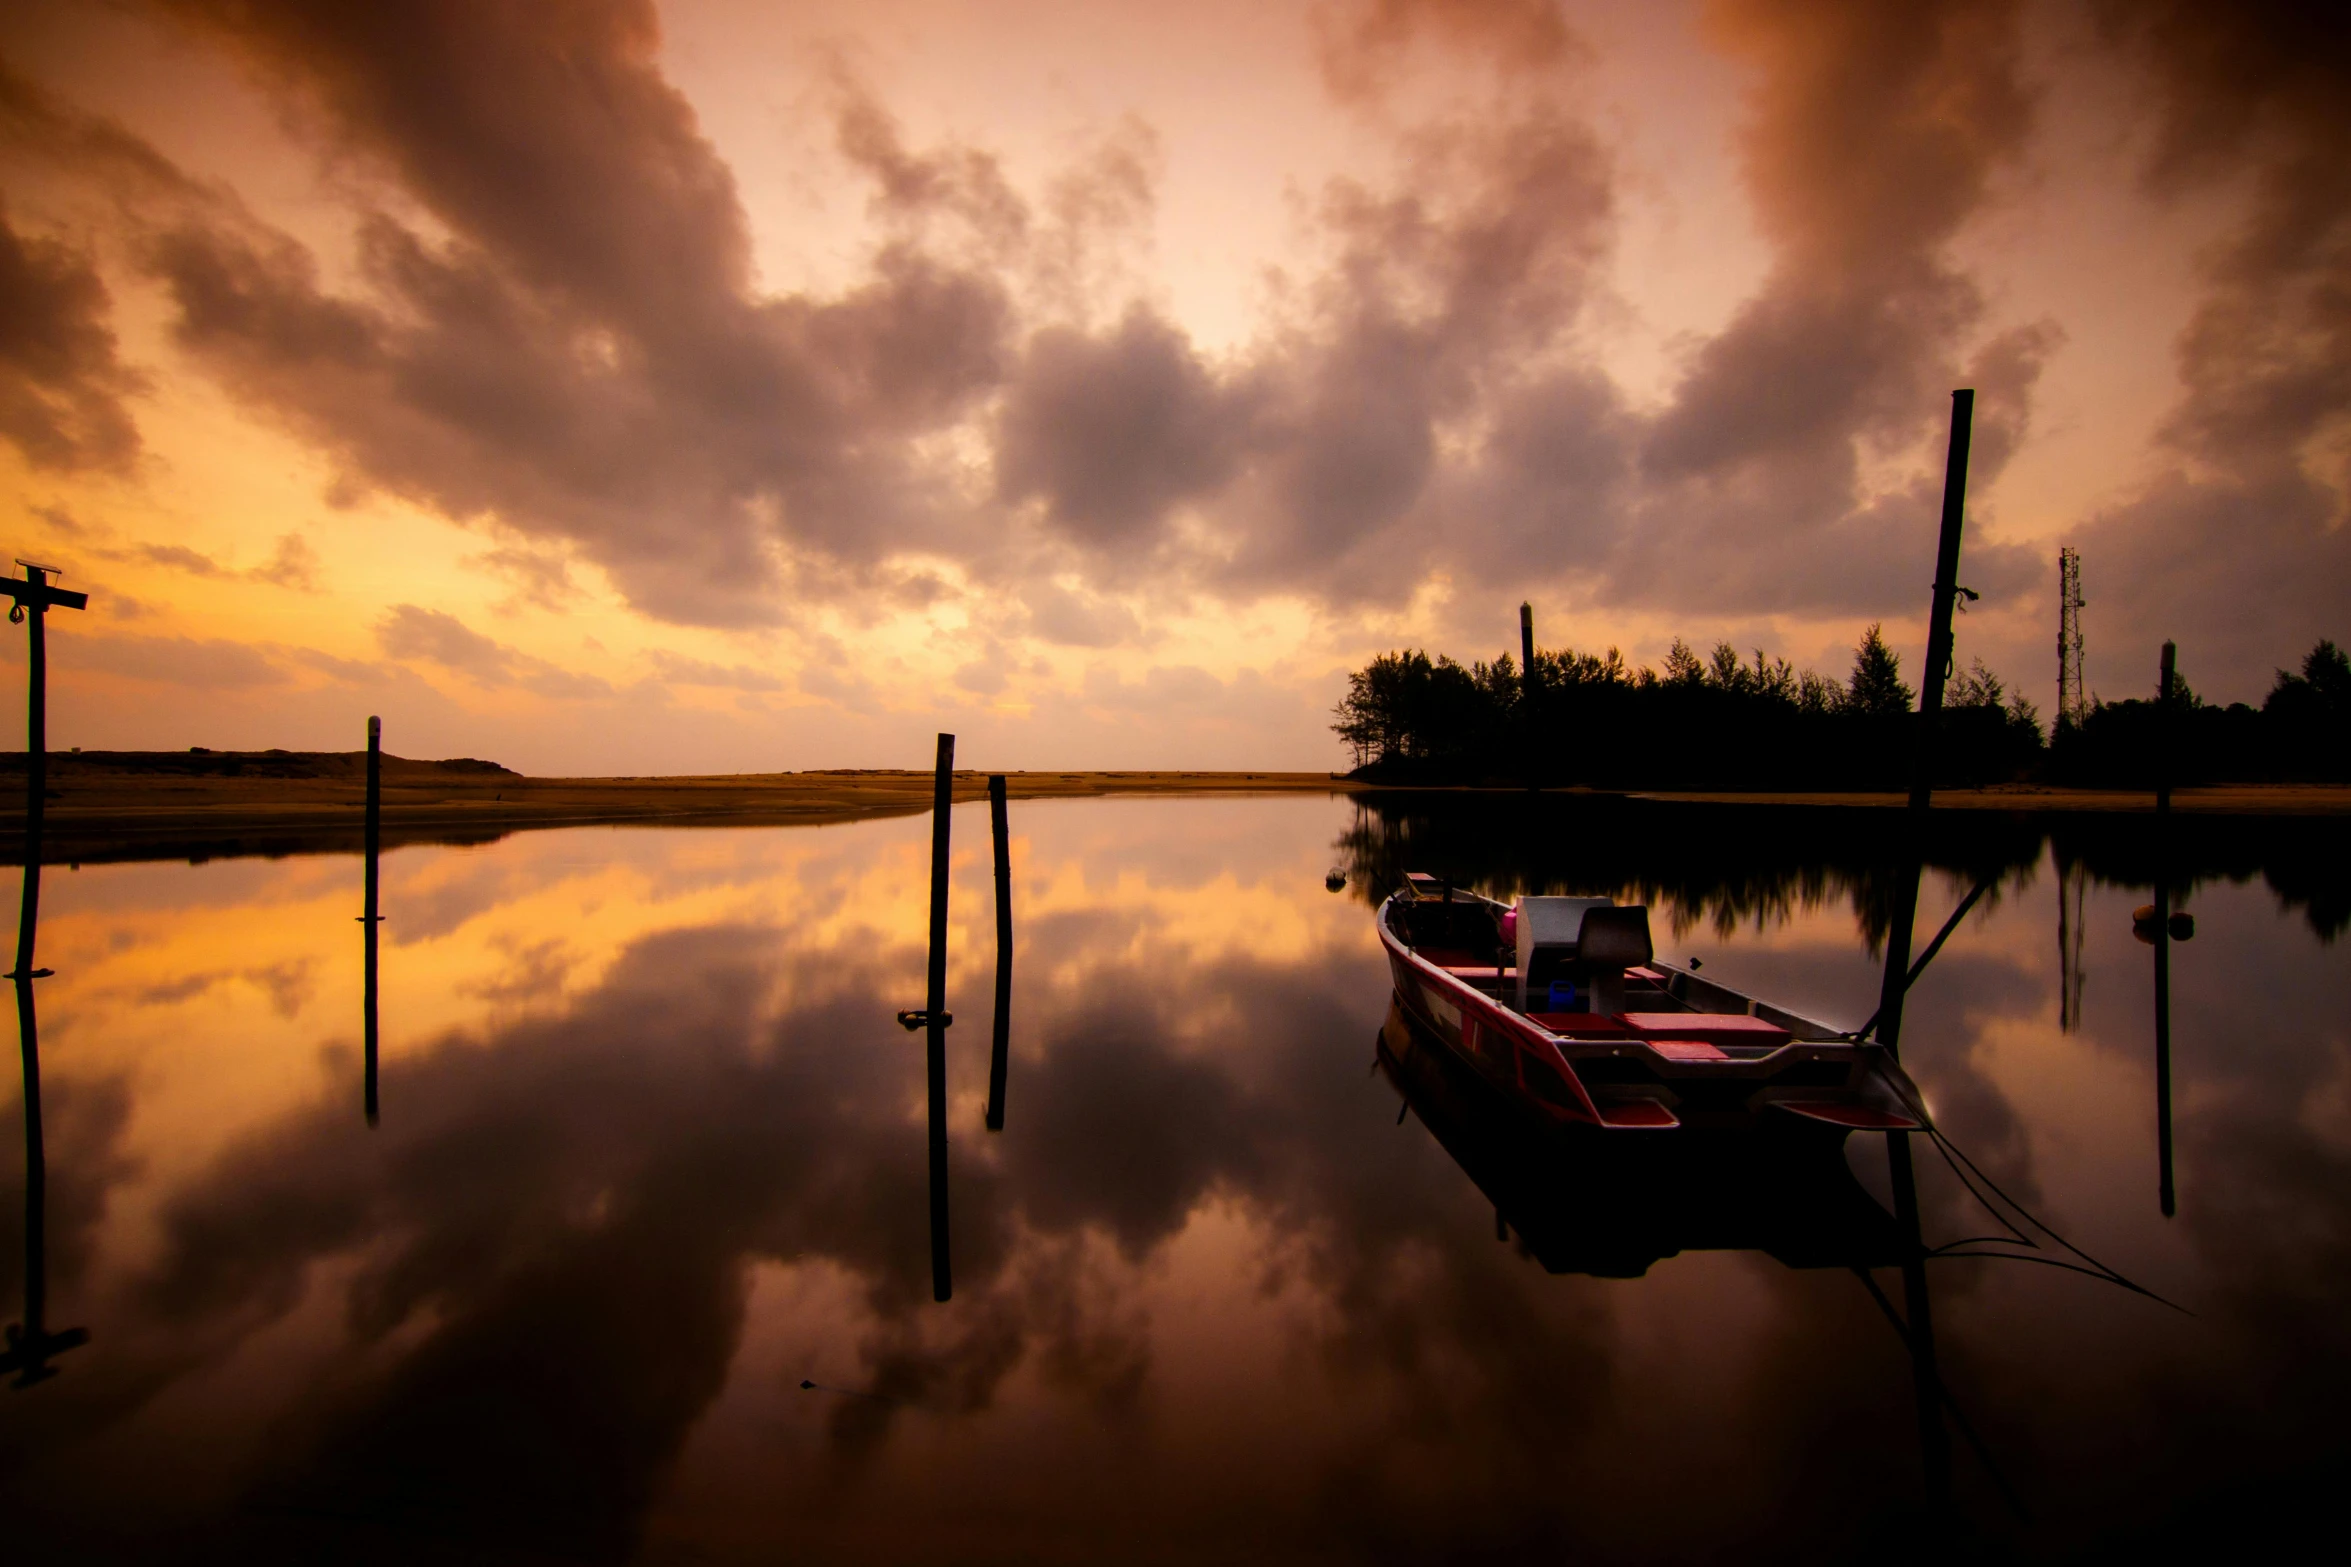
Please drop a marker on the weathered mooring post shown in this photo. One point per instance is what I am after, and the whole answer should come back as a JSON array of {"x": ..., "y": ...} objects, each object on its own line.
[
  {"x": 935, "y": 1018},
  {"x": 1934, "y": 1439},
  {"x": 30, "y": 1344},
  {"x": 34, "y": 599},
  {"x": 1526, "y": 693},
  {"x": 1000, "y": 1047},
  {"x": 369, "y": 917}
]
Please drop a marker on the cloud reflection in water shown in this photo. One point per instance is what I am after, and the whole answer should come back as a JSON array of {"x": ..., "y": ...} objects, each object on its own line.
[{"x": 652, "y": 1156}]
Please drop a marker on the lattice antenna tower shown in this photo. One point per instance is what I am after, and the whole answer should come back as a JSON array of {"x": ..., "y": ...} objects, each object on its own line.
[{"x": 2072, "y": 704}]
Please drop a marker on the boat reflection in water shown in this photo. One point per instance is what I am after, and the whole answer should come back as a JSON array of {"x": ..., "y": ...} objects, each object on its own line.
[
  {"x": 1582, "y": 1201},
  {"x": 1588, "y": 1202}
]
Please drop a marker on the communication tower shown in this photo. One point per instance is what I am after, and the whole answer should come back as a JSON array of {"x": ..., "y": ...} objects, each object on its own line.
[{"x": 2072, "y": 704}]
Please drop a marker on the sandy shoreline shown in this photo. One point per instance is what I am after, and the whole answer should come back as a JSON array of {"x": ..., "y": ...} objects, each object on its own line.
[
  {"x": 115, "y": 806},
  {"x": 101, "y": 809}
]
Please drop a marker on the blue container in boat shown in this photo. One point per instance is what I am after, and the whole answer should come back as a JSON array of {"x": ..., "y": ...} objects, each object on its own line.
[{"x": 1563, "y": 996}]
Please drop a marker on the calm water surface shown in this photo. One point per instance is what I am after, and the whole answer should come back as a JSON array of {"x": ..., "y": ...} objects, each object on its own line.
[{"x": 651, "y": 1160}]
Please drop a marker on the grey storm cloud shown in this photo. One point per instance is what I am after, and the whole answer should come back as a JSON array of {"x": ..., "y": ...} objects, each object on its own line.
[
  {"x": 2251, "y": 509},
  {"x": 1112, "y": 432},
  {"x": 1427, "y": 405},
  {"x": 575, "y": 350},
  {"x": 63, "y": 389}
]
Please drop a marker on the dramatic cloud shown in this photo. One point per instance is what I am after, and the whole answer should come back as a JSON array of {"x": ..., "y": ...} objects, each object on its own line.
[
  {"x": 62, "y": 387},
  {"x": 1016, "y": 384},
  {"x": 1113, "y": 432},
  {"x": 1874, "y": 132},
  {"x": 1447, "y": 291},
  {"x": 1435, "y": 407},
  {"x": 439, "y": 638},
  {"x": 2255, "y": 507},
  {"x": 581, "y": 355}
]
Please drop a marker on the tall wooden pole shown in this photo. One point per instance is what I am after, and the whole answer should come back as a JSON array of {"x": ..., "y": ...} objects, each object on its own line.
[
  {"x": 1933, "y": 1439},
  {"x": 369, "y": 917},
  {"x": 1938, "y": 665},
  {"x": 30, "y": 1344},
  {"x": 1904, "y": 913},
  {"x": 999, "y": 1049},
  {"x": 935, "y": 1018},
  {"x": 36, "y": 708},
  {"x": 1526, "y": 690}
]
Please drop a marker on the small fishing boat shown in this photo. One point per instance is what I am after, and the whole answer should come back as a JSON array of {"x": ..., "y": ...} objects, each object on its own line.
[{"x": 1563, "y": 1004}]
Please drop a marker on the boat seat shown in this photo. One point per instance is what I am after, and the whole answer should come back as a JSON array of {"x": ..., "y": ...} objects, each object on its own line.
[
  {"x": 1616, "y": 938},
  {"x": 1584, "y": 1025},
  {"x": 1612, "y": 940},
  {"x": 1715, "y": 1029}
]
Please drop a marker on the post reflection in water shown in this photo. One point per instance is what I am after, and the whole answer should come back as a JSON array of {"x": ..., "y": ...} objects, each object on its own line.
[
  {"x": 657, "y": 1158},
  {"x": 30, "y": 1344},
  {"x": 1000, "y": 1044},
  {"x": 2073, "y": 883},
  {"x": 370, "y": 917}
]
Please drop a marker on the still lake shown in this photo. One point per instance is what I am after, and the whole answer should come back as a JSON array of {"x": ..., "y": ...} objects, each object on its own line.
[{"x": 651, "y": 1161}]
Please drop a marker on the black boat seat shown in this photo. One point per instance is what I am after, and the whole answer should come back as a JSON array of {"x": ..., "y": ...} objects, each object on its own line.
[
  {"x": 1612, "y": 939},
  {"x": 1616, "y": 937}
]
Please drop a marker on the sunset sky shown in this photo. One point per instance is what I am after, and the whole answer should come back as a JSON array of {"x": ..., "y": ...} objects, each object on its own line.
[{"x": 609, "y": 387}]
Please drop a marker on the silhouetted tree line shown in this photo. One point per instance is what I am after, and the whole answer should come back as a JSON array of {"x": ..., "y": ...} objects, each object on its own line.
[
  {"x": 1700, "y": 723},
  {"x": 2300, "y": 733},
  {"x": 1722, "y": 722},
  {"x": 1728, "y": 865}
]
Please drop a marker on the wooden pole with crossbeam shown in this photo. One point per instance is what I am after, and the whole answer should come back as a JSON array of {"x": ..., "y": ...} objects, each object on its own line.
[{"x": 29, "y": 1344}]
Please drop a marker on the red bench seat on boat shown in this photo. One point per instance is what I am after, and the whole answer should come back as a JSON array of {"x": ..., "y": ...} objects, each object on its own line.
[
  {"x": 1713, "y": 1028},
  {"x": 1586, "y": 1025}
]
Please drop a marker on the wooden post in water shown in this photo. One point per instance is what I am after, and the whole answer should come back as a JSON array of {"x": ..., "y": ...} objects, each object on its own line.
[
  {"x": 1933, "y": 1439},
  {"x": 34, "y": 599},
  {"x": 2164, "y": 1194},
  {"x": 2163, "y": 735},
  {"x": 30, "y": 1344},
  {"x": 1526, "y": 690},
  {"x": 369, "y": 917},
  {"x": 935, "y": 1018},
  {"x": 999, "y": 1049}
]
